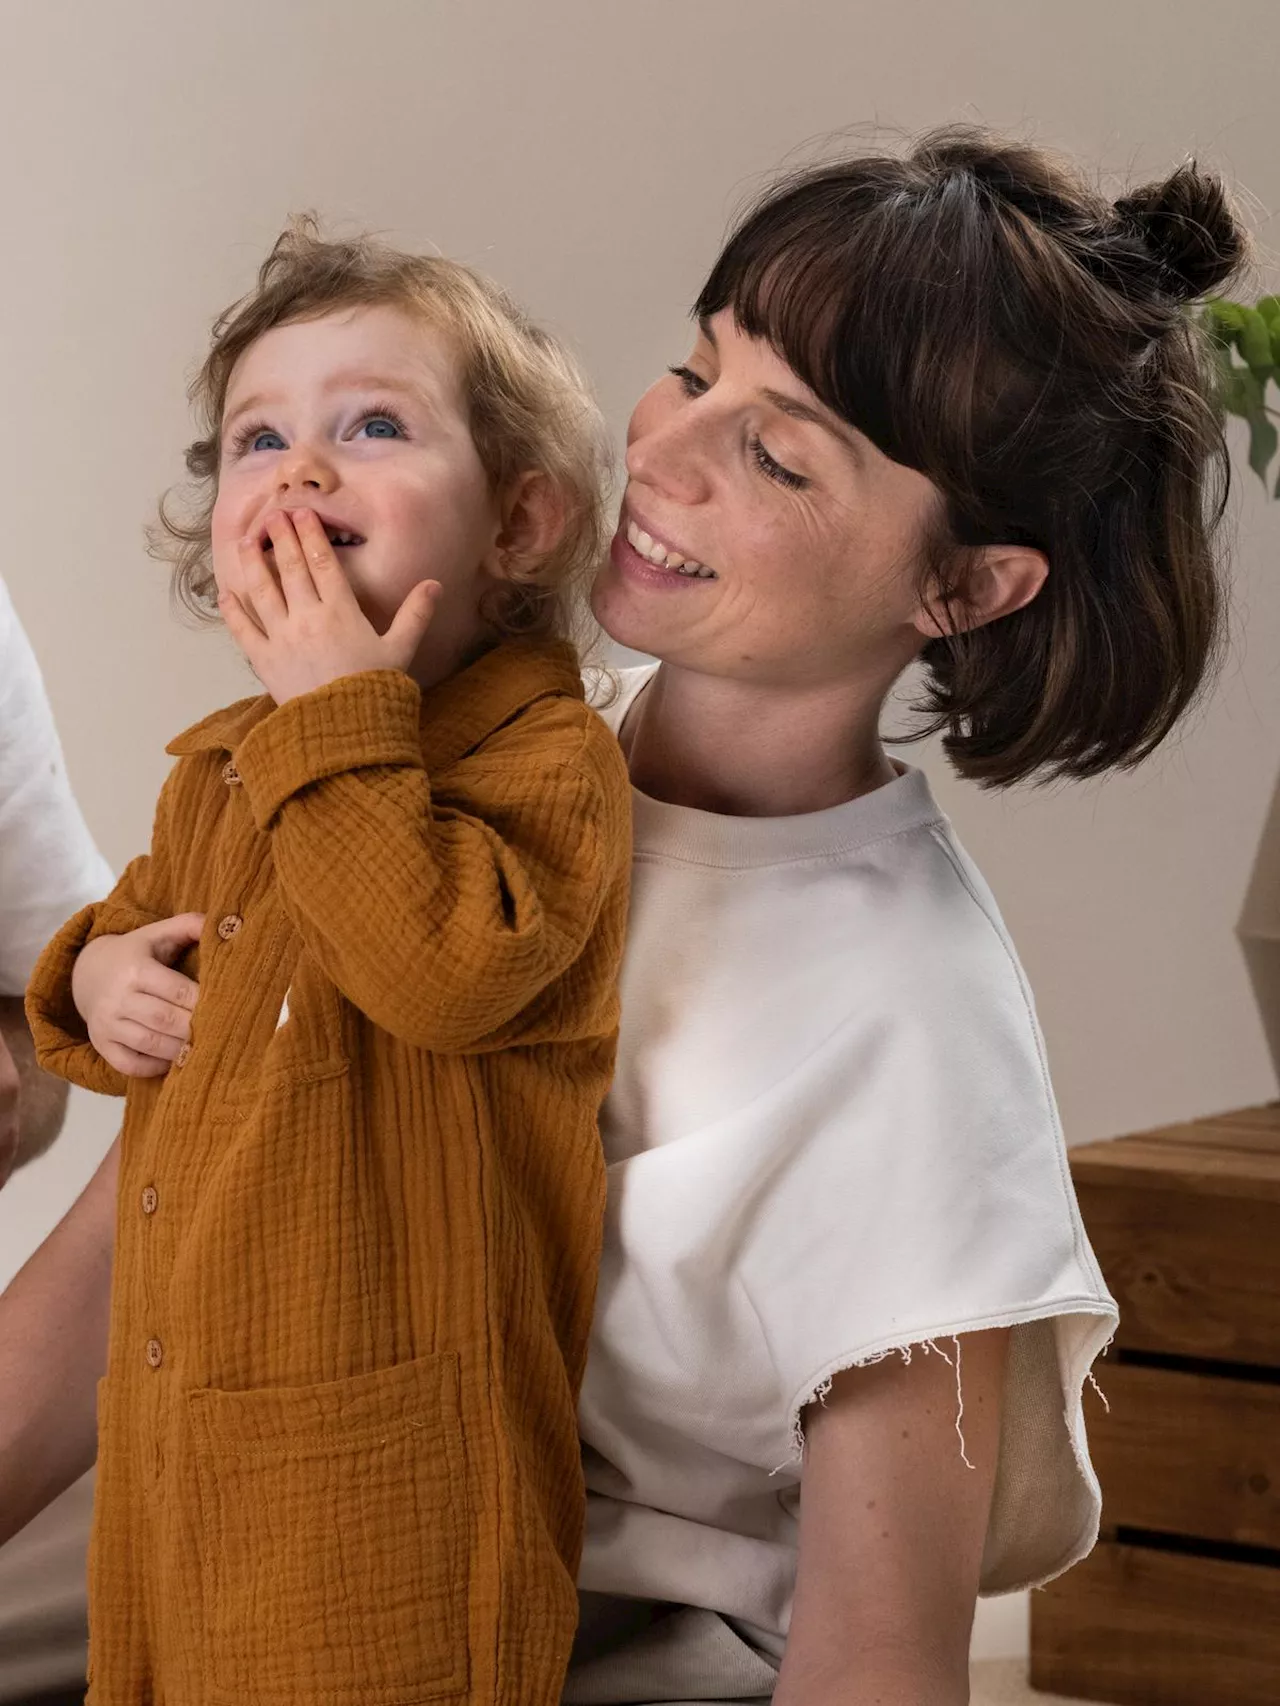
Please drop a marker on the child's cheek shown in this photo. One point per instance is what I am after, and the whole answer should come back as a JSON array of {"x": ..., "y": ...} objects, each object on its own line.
[{"x": 224, "y": 536}]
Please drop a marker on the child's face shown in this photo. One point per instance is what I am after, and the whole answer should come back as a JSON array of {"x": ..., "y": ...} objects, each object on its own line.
[{"x": 360, "y": 417}]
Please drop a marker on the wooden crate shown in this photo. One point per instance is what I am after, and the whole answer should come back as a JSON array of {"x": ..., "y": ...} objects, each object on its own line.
[
  {"x": 1152, "y": 1628},
  {"x": 1180, "y": 1603}
]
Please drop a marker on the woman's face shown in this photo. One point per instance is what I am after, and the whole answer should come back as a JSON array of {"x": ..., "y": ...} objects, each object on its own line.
[{"x": 761, "y": 538}]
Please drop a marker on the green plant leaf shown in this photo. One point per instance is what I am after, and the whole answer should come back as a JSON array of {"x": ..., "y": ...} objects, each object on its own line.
[
  {"x": 1222, "y": 323},
  {"x": 1241, "y": 391},
  {"x": 1229, "y": 315},
  {"x": 1263, "y": 440},
  {"x": 1255, "y": 341},
  {"x": 1269, "y": 308}
]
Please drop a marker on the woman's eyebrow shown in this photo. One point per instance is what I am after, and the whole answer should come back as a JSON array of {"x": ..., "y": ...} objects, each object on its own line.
[
  {"x": 797, "y": 409},
  {"x": 802, "y": 411}
]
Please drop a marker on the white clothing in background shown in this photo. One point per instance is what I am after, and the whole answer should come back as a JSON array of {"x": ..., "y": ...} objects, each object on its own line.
[
  {"x": 49, "y": 866},
  {"x": 49, "y": 869}
]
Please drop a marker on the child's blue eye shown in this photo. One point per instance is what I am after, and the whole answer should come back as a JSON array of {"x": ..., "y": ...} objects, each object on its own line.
[
  {"x": 381, "y": 426},
  {"x": 260, "y": 441}
]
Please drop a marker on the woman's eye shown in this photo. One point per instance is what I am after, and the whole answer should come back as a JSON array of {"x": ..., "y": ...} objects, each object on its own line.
[
  {"x": 774, "y": 469},
  {"x": 690, "y": 383},
  {"x": 382, "y": 426}
]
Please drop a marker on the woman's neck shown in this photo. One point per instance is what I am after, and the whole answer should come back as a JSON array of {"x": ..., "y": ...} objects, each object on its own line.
[{"x": 749, "y": 751}]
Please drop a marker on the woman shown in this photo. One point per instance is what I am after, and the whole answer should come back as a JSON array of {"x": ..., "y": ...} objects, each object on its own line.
[{"x": 944, "y": 408}]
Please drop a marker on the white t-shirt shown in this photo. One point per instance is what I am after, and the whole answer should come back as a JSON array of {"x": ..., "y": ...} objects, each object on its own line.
[
  {"x": 831, "y": 1137},
  {"x": 49, "y": 866}
]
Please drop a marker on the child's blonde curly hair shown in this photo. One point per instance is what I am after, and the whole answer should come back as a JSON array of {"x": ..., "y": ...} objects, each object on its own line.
[{"x": 530, "y": 409}]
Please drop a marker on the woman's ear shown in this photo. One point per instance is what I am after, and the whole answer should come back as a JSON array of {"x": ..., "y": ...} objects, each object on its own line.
[
  {"x": 1000, "y": 579},
  {"x": 532, "y": 524}
]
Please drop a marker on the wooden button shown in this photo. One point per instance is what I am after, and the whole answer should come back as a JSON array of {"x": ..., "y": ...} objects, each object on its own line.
[
  {"x": 230, "y": 775},
  {"x": 150, "y": 1199},
  {"x": 228, "y": 926},
  {"x": 183, "y": 1055},
  {"x": 155, "y": 1353}
]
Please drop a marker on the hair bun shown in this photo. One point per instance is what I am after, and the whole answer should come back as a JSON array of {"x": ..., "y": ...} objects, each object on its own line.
[{"x": 1189, "y": 228}]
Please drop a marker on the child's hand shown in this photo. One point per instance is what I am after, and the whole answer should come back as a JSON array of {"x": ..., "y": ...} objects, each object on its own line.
[
  {"x": 310, "y": 628},
  {"x": 136, "y": 1009}
]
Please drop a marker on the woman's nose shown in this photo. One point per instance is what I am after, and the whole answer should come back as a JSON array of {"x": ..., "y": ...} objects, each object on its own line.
[
  {"x": 671, "y": 457},
  {"x": 306, "y": 468}
]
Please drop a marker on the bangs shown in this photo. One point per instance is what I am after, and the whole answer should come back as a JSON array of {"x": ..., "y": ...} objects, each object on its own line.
[
  {"x": 881, "y": 296},
  {"x": 983, "y": 314}
]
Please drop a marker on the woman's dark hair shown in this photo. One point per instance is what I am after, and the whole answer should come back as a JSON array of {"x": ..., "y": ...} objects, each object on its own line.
[{"x": 986, "y": 317}]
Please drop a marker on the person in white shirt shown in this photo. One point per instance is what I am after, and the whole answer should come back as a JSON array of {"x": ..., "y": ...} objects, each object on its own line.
[
  {"x": 946, "y": 410},
  {"x": 943, "y": 408},
  {"x": 49, "y": 867}
]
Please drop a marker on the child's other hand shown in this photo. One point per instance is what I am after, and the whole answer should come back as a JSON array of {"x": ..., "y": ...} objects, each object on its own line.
[
  {"x": 309, "y": 626},
  {"x": 136, "y": 1009}
]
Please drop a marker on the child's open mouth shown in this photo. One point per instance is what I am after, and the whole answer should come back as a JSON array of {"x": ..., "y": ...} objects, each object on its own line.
[{"x": 341, "y": 538}]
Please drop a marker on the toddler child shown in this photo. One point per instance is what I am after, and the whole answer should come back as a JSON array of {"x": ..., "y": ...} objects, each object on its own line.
[{"x": 361, "y": 1185}]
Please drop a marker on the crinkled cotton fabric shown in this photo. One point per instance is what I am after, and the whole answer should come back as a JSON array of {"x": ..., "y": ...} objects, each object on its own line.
[{"x": 358, "y": 1219}]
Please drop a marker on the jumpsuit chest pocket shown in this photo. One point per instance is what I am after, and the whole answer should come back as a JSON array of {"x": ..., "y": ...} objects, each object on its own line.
[
  {"x": 287, "y": 1032},
  {"x": 335, "y": 1539}
]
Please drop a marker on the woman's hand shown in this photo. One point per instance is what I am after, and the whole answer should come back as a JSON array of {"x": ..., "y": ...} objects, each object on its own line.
[
  {"x": 136, "y": 1009},
  {"x": 892, "y": 1526},
  {"x": 309, "y": 628}
]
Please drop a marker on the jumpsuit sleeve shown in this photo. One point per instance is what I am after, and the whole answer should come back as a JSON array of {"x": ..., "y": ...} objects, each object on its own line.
[
  {"x": 440, "y": 913},
  {"x": 143, "y": 895}
]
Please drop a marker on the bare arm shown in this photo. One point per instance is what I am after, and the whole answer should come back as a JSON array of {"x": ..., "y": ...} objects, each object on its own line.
[
  {"x": 53, "y": 1349},
  {"x": 892, "y": 1526},
  {"x": 39, "y": 1101}
]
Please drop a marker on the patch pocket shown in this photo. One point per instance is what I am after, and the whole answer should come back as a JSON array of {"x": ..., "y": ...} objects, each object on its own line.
[
  {"x": 306, "y": 1041},
  {"x": 335, "y": 1539},
  {"x": 298, "y": 1025}
]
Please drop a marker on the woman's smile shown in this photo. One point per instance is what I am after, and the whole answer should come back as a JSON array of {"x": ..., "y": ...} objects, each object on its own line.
[
  {"x": 662, "y": 555},
  {"x": 641, "y": 555}
]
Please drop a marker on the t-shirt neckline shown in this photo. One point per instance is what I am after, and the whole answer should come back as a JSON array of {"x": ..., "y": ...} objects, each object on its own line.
[{"x": 686, "y": 835}]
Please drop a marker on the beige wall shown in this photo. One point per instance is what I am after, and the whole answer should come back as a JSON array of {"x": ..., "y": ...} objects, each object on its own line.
[{"x": 588, "y": 154}]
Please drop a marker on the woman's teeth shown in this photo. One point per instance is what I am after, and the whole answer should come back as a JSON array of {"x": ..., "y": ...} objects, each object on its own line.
[{"x": 649, "y": 548}]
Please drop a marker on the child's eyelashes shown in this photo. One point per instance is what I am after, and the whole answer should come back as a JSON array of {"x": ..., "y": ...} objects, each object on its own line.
[
  {"x": 255, "y": 436},
  {"x": 382, "y": 421},
  {"x": 375, "y": 422}
]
